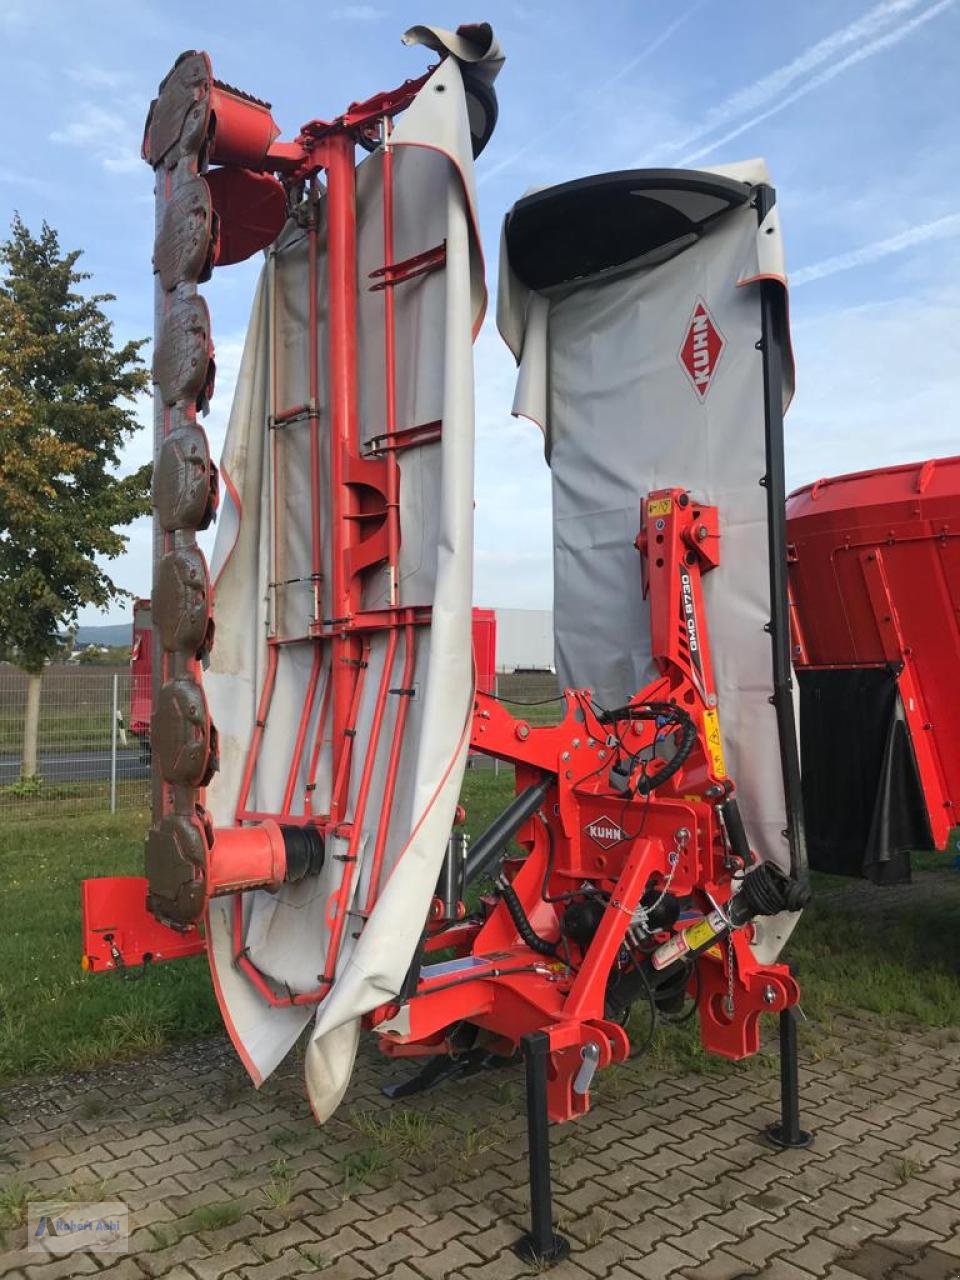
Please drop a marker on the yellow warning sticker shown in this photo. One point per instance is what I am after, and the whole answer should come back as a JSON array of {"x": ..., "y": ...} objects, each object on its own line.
[
  {"x": 659, "y": 507},
  {"x": 699, "y": 933},
  {"x": 711, "y": 730}
]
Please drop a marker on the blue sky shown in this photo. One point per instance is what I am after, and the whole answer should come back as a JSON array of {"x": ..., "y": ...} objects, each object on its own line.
[{"x": 854, "y": 106}]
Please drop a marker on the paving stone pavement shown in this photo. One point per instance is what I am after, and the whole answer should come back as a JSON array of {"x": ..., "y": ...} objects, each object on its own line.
[{"x": 668, "y": 1176}]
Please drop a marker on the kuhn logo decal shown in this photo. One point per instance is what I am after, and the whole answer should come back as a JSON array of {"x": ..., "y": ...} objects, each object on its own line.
[
  {"x": 701, "y": 350},
  {"x": 605, "y": 832}
]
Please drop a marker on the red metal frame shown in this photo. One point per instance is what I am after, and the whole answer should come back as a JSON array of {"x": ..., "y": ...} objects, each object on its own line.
[
  {"x": 364, "y": 527},
  {"x": 588, "y": 834},
  {"x": 141, "y": 670},
  {"x": 363, "y": 490},
  {"x": 588, "y": 838},
  {"x": 119, "y": 931}
]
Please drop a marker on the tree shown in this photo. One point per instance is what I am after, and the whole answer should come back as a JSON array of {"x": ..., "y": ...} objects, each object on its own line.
[
  {"x": 107, "y": 655},
  {"x": 66, "y": 410}
]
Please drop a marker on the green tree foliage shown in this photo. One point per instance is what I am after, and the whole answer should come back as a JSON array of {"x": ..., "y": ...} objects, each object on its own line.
[
  {"x": 113, "y": 655},
  {"x": 66, "y": 409}
]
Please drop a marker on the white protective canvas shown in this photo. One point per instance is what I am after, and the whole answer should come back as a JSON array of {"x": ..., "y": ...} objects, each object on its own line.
[
  {"x": 599, "y": 372},
  {"x": 437, "y": 318}
]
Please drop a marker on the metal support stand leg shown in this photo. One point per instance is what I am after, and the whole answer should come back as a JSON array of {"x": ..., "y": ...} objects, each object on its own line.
[
  {"x": 788, "y": 1134},
  {"x": 540, "y": 1245}
]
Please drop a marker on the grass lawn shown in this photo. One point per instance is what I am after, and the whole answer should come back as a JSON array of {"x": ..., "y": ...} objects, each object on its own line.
[
  {"x": 35, "y": 798},
  {"x": 54, "y": 1017},
  {"x": 903, "y": 965},
  {"x": 80, "y": 729}
]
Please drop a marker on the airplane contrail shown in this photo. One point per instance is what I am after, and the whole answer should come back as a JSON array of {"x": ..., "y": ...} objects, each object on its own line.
[
  {"x": 770, "y": 86},
  {"x": 625, "y": 70},
  {"x": 939, "y": 229},
  {"x": 860, "y": 54},
  {"x": 655, "y": 44}
]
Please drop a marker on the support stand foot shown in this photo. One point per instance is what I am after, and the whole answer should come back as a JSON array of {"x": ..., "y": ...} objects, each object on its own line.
[
  {"x": 440, "y": 1068},
  {"x": 541, "y": 1245},
  {"x": 535, "y": 1255},
  {"x": 786, "y": 1134}
]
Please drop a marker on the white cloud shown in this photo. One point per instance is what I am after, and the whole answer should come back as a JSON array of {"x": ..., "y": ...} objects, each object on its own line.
[
  {"x": 578, "y": 110},
  {"x": 28, "y": 181},
  {"x": 877, "y": 384},
  {"x": 939, "y": 229},
  {"x": 108, "y": 133},
  {"x": 92, "y": 77}
]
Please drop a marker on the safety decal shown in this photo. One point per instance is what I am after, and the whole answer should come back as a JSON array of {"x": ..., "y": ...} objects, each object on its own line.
[{"x": 711, "y": 733}]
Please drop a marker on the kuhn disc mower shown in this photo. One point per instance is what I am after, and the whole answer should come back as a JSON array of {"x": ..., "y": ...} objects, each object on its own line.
[{"x": 308, "y": 754}]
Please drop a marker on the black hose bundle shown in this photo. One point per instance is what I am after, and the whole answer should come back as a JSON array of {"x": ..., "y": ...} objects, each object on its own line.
[
  {"x": 688, "y": 738},
  {"x": 666, "y": 713},
  {"x": 519, "y": 918}
]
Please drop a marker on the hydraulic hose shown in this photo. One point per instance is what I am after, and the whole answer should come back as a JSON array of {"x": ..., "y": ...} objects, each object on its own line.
[
  {"x": 729, "y": 812},
  {"x": 688, "y": 737},
  {"x": 667, "y": 711},
  {"x": 519, "y": 917},
  {"x": 488, "y": 847}
]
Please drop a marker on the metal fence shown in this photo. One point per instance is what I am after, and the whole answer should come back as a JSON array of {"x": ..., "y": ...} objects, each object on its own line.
[
  {"x": 92, "y": 743},
  {"x": 529, "y": 695},
  {"x": 93, "y": 749}
]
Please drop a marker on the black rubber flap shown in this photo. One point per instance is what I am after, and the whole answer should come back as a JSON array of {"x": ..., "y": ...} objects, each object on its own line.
[
  {"x": 862, "y": 800},
  {"x": 595, "y": 225}
]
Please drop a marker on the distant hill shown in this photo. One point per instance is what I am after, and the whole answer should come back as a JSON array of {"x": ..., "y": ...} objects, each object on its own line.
[{"x": 117, "y": 633}]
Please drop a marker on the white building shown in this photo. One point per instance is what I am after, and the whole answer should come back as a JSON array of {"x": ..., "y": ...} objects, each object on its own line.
[{"x": 524, "y": 639}]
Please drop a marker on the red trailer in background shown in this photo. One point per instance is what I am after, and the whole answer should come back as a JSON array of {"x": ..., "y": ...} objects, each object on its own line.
[
  {"x": 874, "y": 565},
  {"x": 141, "y": 675},
  {"x": 141, "y": 665},
  {"x": 485, "y": 649}
]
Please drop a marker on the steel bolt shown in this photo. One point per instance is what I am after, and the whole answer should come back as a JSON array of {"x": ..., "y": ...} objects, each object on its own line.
[
  {"x": 769, "y": 994},
  {"x": 523, "y": 731}
]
